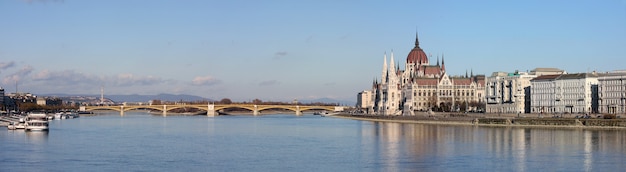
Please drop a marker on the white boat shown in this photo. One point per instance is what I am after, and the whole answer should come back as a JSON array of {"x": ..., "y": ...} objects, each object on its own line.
[
  {"x": 58, "y": 115},
  {"x": 36, "y": 122},
  {"x": 11, "y": 126},
  {"x": 325, "y": 114},
  {"x": 19, "y": 125}
]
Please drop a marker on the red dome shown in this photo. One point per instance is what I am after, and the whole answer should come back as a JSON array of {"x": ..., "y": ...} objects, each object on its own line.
[{"x": 417, "y": 55}]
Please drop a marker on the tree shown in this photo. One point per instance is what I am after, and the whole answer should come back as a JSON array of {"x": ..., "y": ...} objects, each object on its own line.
[
  {"x": 156, "y": 102},
  {"x": 463, "y": 106},
  {"x": 226, "y": 101}
]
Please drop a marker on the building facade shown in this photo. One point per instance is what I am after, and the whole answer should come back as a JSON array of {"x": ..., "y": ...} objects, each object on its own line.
[
  {"x": 2, "y": 105},
  {"x": 422, "y": 86},
  {"x": 612, "y": 92},
  {"x": 508, "y": 92},
  {"x": 565, "y": 93},
  {"x": 365, "y": 101}
]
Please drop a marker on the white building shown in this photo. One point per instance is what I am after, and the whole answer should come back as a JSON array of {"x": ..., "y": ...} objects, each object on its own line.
[
  {"x": 508, "y": 92},
  {"x": 542, "y": 95},
  {"x": 566, "y": 93},
  {"x": 547, "y": 71},
  {"x": 422, "y": 86},
  {"x": 365, "y": 101},
  {"x": 612, "y": 92}
]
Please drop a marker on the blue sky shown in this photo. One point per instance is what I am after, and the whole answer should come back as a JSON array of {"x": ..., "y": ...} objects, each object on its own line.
[{"x": 285, "y": 50}]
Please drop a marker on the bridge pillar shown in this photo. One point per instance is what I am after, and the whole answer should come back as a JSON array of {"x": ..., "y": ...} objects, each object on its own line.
[
  {"x": 210, "y": 112},
  {"x": 164, "y": 110},
  {"x": 256, "y": 110},
  {"x": 298, "y": 112},
  {"x": 121, "y": 110}
]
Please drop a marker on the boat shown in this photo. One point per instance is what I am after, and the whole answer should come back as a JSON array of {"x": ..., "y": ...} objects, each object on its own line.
[
  {"x": 72, "y": 115},
  {"x": 325, "y": 114},
  {"x": 36, "y": 122},
  {"x": 19, "y": 125},
  {"x": 58, "y": 115},
  {"x": 11, "y": 126}
]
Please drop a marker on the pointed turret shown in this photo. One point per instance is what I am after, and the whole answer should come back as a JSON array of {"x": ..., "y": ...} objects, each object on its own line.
[
  {"x": 383, "y": 79},
  {"x": 417, "y": 42},
  {"x": 437, "y": 60},
  {"x": 375, "y": 83},
  {"x": 443, "y": 63},
  {"x": 392, "y": 65},
  {"x": 466, "y": 74}
]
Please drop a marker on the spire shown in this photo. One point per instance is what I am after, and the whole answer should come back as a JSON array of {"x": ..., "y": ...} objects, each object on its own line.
[
  {"x": 398, "y": 67},
  {"x": 392, "y": 65},
  {"x": 417, "y": 42},
  {"x": 443, "y": 64},
  {"x": 437, "y": 60},
  {"x": 383, "y": 79},
  {"x": 472, "y": 74},
  {"x": 466, "y": 73}
]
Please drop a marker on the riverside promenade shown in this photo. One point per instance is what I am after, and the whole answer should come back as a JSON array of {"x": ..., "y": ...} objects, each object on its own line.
[{"x": 506, "y": 120}]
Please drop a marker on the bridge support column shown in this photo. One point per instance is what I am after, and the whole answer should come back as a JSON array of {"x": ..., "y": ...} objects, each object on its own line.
[
  {"x": 210, "y": 112},
  {"x": 121, "y": 110},
  {"x": 256, "y": 110},
  {"x": 164, "y": 110},
  {"x": 298, "y": 111}
]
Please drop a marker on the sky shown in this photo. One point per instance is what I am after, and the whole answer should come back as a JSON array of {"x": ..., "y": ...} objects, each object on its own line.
[{"x": 284, "y": 50}]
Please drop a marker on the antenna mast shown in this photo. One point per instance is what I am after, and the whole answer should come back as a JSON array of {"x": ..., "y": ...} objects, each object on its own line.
[{"x": 102, "y": 95}]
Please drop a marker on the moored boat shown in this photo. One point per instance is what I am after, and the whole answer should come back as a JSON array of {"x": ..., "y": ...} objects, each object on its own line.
[
  {"x": 11, "y": 126},
  {"x": 325, "y": 114},
  {"x": 58, "y": 115},
  {"x": 36, "y": 122},
  {"x": 19, "y": 125}
]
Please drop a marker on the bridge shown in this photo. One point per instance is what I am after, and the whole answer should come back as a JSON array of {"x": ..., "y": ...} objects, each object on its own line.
[{"x": 212, "y": 109}]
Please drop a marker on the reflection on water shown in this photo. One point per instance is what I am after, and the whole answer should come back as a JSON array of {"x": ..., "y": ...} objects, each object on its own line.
[
  {"x": 37, "y": 136},
  {"x": 438, "y": 147},
  {"x": 143, "y": 142}
]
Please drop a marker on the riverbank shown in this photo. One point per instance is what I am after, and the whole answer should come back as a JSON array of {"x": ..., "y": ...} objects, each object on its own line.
[{"x": 473, "y": 120}]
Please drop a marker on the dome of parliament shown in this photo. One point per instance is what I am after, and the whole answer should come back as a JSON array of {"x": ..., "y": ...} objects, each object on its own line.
[{"x": 417, "y": 55}]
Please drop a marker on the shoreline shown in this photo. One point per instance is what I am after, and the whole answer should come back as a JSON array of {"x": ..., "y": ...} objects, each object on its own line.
[{"x": 570, "y": 123}]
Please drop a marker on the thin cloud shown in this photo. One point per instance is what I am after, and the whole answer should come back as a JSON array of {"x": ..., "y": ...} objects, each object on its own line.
[
  {"x": 73, "y": 77},
  {"x": 204, "y": 81},
  {"x": 66, "y": 75},
  {"x": 43, "y": 1},
  {"x": 309, "y": 39},
  {"x": 132, "y": 80},
  {"x": 346, "y": 36},
  {"x": 6, "y": 65},
  {"x": 280, "y": 54},
  {"x": 269, "y": 82},
  {"x": 18, "y": 76}
]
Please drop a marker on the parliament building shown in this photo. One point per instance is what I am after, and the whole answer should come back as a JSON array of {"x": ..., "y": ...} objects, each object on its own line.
[{"x": 421, "y": 86}]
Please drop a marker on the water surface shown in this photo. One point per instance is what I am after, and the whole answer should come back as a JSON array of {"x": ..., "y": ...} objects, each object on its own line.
[{"x": 139, "y": 141}]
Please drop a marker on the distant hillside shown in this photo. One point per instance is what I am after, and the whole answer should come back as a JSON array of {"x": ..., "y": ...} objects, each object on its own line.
[
  {"x": 184, "y": 97},
  {"x": 140, "y": 98},
  {"x": 329, "y": 100},
  {"x": 162, "y": 97}
]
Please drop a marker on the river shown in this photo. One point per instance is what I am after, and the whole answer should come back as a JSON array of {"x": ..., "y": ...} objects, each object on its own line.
[{"x": 139, "y": 141}]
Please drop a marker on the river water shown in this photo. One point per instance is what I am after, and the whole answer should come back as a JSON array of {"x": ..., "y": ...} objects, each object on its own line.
[{"x": 139, "y": 141}]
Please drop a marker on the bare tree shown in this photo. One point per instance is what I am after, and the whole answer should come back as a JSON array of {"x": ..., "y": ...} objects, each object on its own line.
[{"x": 226, "y": 101}]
